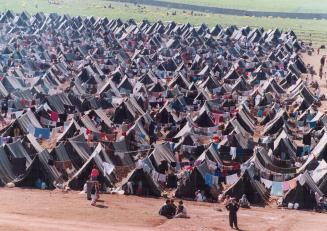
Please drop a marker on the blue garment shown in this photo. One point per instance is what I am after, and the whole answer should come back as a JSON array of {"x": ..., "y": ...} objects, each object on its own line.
[
  {"x": 260, "y": 113},
  {"x": 300, "y": 123},
  {"x": 208, "y": 179},
  {"x": 239, "y": 151},
  {"x": 277, "y": 189},
  {"x": 42, "y": 133},
  {"x": 38, "y": 183},
  {"x": 306, "y": 148},
  {"x": 313, "y": 124},
  {"x": 216, "y": 146},
  {"x": 309, "y": 117},
  {"x": 218, "y": 172}
]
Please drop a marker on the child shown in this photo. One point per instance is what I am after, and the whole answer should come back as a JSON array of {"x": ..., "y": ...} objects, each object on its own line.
[{"x": 181, "y": 211}]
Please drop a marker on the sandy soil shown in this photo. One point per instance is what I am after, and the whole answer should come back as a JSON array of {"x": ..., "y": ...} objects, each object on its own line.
[{"x": 26, "y": 209}]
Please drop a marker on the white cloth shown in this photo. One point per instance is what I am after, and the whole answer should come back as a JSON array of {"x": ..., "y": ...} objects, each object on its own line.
[
  {"x": 215, "y": 180},
  {"x": 130, "y": 188},
  {"x": 233, "y": 152},
  {"x": 107, "y": 168},
  {"x": 155, "y": 175},
  {"x": 257, "y": 100},
  {"x": 301, "y": 179},
  {"x": 162, "y": 178},
  {"x": 83, "y": 131},
  {"x": 266, "y": 182},
  {"x": 231, "y": 179},
  {"x": 146, "y": 168},
  {"x": 199, "y": 197},
  {"x": 139, "y": 164}
]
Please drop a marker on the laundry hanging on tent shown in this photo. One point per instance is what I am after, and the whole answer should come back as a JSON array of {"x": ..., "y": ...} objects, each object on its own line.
[
  {"x": 313, "y": 124},
  {"x": 54, "y": 116},
  {"x": 162, "y": 178},
  {"x": 266, "y": 182},
  {"x": 286, "y": 186},
  {"x": 301, "y": 179},
  {"x": 208, "y": 179},
  {"x": 155, "y": 175},
  {"x": 233, "y": 152},
  {"x": 276, "y": 189},
  {"x": 231, "y": 179},
  {"x": 108, "y": 168},
  {"x": 43, "y": 133},
  {"x": 292, "y": 183}
]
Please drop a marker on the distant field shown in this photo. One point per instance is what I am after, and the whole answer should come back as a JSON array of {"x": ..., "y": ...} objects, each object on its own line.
[
  {"x": 305, "y": 6},
  {"x": 303, "y": 28}
]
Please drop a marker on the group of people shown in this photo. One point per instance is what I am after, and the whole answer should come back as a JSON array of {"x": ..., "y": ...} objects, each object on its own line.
[{"x": 170, "y": 210}]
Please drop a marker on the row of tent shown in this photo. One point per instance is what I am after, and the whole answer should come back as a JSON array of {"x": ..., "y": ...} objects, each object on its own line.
[{"x": 216, "y": 96}]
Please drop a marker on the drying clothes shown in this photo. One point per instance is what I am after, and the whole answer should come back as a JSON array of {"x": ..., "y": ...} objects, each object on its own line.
[
  {"x": 266, "y": 182},
  {"x": 301, "y": 179},
  {"x": 306, "y": 149},
  {"x": 236, "y": 166},
  {"x": 277, "y": 189},
  {"x": 300, "y": 123},
  {"x": 139, "y": 164},
  {"x": 215, "y": 180},
  {"x": 208, "y": 179},
  {"x": 54, "y": 116},
  {"x": 44, "y": 121},
  {"x": 108, "y": 168},
  {"x": 286, "y": 186},
  {"x": 42, "y": 133},
  {"x": 233, "y": 152},
  {"x": 260, "y": 113},
  {"x": 313, "y": 124},
  {"x": 231, "y": 179},
  {"x": 146, "y": 168},
  {"x": 155, "y": 175},
  {"x": 162, "y": 178},
  {"x": 292, "y": 183}
]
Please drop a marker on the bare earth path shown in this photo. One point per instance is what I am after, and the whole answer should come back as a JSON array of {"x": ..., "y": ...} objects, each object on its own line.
[{"x": 26, "y": 209}]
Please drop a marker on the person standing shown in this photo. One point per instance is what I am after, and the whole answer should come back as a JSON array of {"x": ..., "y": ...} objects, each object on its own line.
[{"x": 233, "y": 207}]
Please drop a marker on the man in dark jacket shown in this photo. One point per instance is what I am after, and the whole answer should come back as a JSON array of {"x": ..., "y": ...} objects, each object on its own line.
[
  {"x": 233, "y": 207},
  {"x": 168, "y": 210}
]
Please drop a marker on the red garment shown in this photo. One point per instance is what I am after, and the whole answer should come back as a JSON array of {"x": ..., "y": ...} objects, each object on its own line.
[
  {"x": 236, "y": 166},
  {"x": 54, "y": 116},
  {"x": 103, "y": 136},
  {"x": 189, "y": 168},
  {"x": 95, "y": 172}
]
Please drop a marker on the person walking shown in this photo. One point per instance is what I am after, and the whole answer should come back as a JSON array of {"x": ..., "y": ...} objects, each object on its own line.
[{"x": 233, "y": 207}]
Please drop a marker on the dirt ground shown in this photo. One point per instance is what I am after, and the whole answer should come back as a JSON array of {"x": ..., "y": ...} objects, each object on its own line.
[{"x": 26, "y": 209}]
